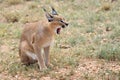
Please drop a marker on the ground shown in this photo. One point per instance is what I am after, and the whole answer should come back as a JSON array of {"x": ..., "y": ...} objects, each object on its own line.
[{"x": 88, "y": 49}]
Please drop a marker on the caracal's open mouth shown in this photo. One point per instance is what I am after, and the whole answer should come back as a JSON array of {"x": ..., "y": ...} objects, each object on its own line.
[{"x": 58, "y": 30}]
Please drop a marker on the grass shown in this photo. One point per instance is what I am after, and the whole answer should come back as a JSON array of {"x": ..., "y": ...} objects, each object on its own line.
[
  {"x": 14, "y": 2},
  {"x": 11, "y": 16},
  {"x": 92, "y": 37},
  {"x": 109, "y": 52}
]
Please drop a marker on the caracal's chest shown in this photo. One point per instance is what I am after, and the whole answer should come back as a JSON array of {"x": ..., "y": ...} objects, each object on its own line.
[{"x": 48, "y": 43}]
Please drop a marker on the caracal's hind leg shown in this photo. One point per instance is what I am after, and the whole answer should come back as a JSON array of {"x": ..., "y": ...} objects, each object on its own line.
[{"x": 23, "y": 53}]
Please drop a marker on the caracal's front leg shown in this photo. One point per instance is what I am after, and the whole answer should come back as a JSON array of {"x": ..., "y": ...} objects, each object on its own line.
[
  {"x": 47, "y": 56},
  {"x": 40, "y": 59}
]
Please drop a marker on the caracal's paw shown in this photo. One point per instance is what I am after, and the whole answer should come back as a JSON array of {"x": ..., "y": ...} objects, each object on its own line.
[
  {"x": 49, "y": 65},
  {"x": 43, "y": 68}
]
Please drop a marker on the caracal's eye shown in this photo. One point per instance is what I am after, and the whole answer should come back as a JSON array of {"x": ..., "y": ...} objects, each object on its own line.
[{"x": 61, "y": 21}]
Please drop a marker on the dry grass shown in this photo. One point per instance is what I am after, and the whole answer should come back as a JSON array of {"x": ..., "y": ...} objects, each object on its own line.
[
  {"x": 14, "y": 2},
  {"x": 11, "y": 16},
  {"x": 86, "y": 50}
]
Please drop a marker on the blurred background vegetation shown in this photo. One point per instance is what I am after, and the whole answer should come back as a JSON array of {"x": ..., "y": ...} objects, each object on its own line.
[{"x": 93, "y": 35}]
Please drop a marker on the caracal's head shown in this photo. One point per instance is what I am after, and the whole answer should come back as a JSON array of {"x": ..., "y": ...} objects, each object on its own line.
[{"x": 56, "y": 21}]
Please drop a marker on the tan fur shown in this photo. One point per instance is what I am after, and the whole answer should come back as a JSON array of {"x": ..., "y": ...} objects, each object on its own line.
[{"x": 36, "y": 36}]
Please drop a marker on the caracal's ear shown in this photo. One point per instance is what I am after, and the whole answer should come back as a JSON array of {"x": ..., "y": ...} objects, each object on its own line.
[
  {"x": 54, "y": 12},
  {"x": 48, "y": 16}
]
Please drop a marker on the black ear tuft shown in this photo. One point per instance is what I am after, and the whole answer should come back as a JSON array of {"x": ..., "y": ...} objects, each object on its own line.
[
  {"x": 54, "y": 12},
  {"x": 49, "y": 17}
]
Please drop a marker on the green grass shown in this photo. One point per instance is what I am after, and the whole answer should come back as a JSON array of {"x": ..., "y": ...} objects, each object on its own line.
[
  {"x": 93, "y": 34},
  {"x": 109, "y": 52}
]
